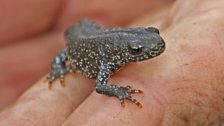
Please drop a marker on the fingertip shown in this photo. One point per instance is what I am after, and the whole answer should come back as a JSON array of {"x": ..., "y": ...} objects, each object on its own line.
[{"x": 43, "y": 104}]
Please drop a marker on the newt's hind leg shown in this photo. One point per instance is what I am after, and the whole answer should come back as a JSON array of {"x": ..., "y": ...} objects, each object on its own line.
[{"x": 59, "y": 68}]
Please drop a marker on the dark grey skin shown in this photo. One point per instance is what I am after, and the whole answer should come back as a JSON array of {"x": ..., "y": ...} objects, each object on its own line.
[{"x": 97, "y": 53}]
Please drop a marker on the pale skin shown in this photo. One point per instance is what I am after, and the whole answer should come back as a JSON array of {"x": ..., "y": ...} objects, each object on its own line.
[{"x": 183, "y": 86}]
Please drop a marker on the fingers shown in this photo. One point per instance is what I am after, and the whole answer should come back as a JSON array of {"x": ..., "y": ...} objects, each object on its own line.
[
  {"x": 22, "y": 64},
  {"x": 50, "y": 107},
  {"x": 98, "y": 109}
]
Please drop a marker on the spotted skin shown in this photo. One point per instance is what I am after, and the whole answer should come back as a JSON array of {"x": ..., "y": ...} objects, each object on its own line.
[{"x": 97, "y": 52}]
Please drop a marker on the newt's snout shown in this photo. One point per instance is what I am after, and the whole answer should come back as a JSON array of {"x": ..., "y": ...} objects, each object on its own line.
[
  {"x": 159, "y": 48},
  {"x": 155, "y": 47}
]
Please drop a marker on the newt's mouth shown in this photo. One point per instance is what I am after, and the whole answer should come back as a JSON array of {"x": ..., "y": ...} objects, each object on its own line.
[{"x": 157, "y": 50}]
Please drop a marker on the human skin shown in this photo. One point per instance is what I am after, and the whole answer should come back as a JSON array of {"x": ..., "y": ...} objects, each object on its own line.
[
  {"x": 31, "y": 33},
  {"x": 183, "y": 86}
]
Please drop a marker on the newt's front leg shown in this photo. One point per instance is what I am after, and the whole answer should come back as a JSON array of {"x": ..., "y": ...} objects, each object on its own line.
[
  {"x": 59, "y": 68},
  {"x": 120, "y": 92}
]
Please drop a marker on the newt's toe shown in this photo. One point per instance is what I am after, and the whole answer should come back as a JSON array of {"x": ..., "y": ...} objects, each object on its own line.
[{"x": 62, "y": 82}]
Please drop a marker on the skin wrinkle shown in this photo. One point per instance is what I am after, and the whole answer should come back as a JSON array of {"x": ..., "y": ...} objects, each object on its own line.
[
  {"x": 211, "y": 94},
  {"x": 173, "y": 18},
  {"x": 26, "y": 121},
  {"x": 59, "y": 95},
  {"x": 195, "y": 103},
  {"x": 159, "y": 97},
  {"x": 184, "y": 119},
  {"x": 198, "y": 112},
  {"x": 190, "y": 86},
  {"x": 220, "y": 44},
  {"x": 172, "y": 118},
  {"x": 35, "y": 117},
  {"x": 23, "y": 120}
]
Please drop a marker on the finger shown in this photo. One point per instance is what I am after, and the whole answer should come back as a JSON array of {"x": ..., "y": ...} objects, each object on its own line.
[
  {"x": 109, "y": 13},
  {"x": 29, "y": 17},
  {"x": 22, "y": 64},
  {"x": 157, "y": 19},
  {"x": 49, "y": 107}
]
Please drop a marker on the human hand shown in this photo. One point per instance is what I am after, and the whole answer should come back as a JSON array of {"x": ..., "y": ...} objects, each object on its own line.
[
  {"x": 32, "y": 33},
  {"x": 182, "y": 86}
]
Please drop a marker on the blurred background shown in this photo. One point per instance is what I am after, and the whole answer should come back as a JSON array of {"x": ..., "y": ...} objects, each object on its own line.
[{"x": 31, "y": 33}]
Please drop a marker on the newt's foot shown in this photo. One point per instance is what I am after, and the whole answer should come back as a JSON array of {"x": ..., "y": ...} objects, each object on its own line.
[
  {"x": 126, "y": 94},
  {"x": 58, "y": 74},
  {"x": 50, "y": 79},
  {"x": 59, "y": 68},
  {"x": 122, "y": 93}
]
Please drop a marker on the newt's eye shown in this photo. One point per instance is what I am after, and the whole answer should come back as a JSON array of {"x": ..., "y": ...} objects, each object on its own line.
[{"x": 135, "y": 48}]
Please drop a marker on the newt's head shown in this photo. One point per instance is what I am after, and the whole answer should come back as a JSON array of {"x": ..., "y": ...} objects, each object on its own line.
[{"x": 144, "y": 44}]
